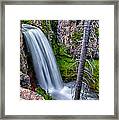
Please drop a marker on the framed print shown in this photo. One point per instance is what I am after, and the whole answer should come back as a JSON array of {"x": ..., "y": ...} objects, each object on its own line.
[{"x": 59, "y": 60}]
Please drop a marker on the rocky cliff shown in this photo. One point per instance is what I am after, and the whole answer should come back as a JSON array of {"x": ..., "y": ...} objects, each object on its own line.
[{"x": 70, "y": 33}]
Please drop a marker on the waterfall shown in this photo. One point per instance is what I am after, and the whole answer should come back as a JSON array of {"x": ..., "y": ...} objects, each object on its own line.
[{"x": 44, "y": 63}]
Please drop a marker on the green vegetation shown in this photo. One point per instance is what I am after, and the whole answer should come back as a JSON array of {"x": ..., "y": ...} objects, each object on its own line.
[
  {"x": 42, "y": 92},
  {"x": 76, "y": 36},
  {"x": 67, "y": 64},
  {"x": 54, "y": 24},
  {"x": 26, "y": 21},
  {"x": 46, "y": 27},
  {"x": 97, "y": 32},
  {"x": 93, "y": 80}
]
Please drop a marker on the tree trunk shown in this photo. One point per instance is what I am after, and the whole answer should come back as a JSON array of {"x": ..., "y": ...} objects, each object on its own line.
[{"x": 82, "y": 59}]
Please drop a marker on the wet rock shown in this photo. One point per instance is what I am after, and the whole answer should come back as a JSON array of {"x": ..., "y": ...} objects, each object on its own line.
[
  {"x": 27, "y": 75},
  {"x": 23, "y": 57},
  {"x": 25, "y": 81}
]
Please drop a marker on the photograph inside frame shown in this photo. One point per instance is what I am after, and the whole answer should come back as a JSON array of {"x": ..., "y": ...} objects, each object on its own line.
[{"x": 59, "y": 60}]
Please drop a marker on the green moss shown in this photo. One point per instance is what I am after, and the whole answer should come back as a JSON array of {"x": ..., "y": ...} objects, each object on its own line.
[
  {"x": 26, "y": 21},
  {"x": 45, "y": 94},
  {"x": 76, "y": 36},
  {"x": 46, "y": 27},
  {"x": 54, "y": 44},
  {"x": 54, "y": 24},
  {"x": 97, "y": 32}
]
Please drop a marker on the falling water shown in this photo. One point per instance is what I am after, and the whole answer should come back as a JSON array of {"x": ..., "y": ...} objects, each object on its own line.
[{"x": 44, "y": 62}]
